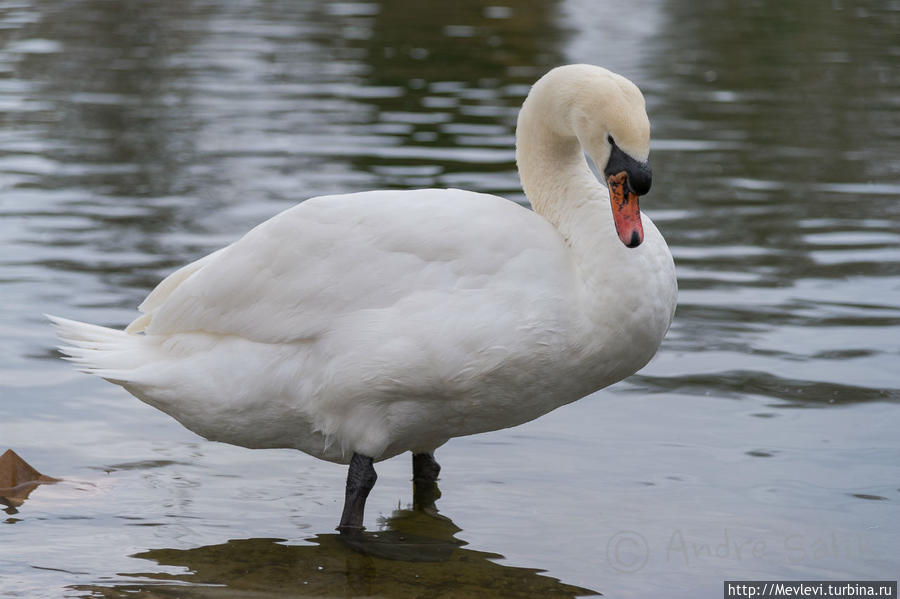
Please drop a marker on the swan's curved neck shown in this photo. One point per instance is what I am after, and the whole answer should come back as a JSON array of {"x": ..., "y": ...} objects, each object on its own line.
[{"x": 552, "y": 167}]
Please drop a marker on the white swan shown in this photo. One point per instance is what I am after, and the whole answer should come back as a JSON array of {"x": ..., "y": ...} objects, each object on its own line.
[{"x": 356, "y": 327}]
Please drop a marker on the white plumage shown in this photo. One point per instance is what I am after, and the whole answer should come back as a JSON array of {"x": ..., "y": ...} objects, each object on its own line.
[{"x": 386, "y": 321}]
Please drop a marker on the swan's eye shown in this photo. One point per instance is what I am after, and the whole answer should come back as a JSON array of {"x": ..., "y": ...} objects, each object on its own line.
[{"x": 610, "y": 140}]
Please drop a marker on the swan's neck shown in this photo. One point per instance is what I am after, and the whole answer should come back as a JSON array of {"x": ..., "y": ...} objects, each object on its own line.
[
  {"x": 625, "y": 295},
  {"x": 563, "y": 189},
  {"x": 554, "y": 172}
]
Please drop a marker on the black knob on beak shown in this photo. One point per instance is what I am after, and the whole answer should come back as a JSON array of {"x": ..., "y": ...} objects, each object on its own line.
[
  {"x": 638, "y": 173},
  {"x": 639, "y": 178}
]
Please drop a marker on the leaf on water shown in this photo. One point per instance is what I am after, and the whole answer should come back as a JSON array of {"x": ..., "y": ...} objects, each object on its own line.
[{"x": 18, "y": 479}]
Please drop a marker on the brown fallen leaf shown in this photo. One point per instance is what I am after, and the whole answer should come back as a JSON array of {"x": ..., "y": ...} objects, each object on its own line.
[{"x": 18, "y": 479}]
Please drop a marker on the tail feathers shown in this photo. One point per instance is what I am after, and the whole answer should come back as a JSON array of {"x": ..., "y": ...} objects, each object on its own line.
[{"x": 106, "y": 352}]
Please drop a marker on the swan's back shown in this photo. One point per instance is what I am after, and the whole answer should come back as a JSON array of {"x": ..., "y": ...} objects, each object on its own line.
[{"x": 297, "y": 275}]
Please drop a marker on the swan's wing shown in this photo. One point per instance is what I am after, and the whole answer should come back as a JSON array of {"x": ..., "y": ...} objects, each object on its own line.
[{"x": 307, "y": 270}]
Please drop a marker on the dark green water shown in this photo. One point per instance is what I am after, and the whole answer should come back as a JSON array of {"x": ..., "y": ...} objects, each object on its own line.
[{"x": 761, "y": 443}]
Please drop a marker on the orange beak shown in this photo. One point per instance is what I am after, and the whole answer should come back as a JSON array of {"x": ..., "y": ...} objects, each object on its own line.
[{"x": 625, "y": 209}]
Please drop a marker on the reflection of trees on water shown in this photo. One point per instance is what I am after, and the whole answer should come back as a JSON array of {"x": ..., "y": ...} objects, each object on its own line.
[
  {"x": 416, "y": 555},
  {"x": 181, "y": 109},
  {"x": 456, "y": 63},
  {"x": 813, "y": 82},
  {"x": 137, "y": 84},
  {"x": 778, "y": 98},
  {"x": 464, "y": 41},
  {"x": 111, "y": 93},
  {"x": 777, "y": 116},
  {"x": 114, "y": 123}
]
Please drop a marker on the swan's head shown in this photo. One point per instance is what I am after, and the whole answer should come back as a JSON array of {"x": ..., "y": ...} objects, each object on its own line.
[
  {"x": 609, "y": 118},
  {"x": 607, "y": 114}
]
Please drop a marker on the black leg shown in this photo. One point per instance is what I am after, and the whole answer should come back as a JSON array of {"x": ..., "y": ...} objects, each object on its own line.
[
  {"x": 425, "y": 469},
  {"x": 425, "y": 475},
  {"x": 361, "y": 478}
]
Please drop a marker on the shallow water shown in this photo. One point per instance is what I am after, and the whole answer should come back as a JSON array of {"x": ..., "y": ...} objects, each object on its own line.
[{"x": 761, "y": 443}]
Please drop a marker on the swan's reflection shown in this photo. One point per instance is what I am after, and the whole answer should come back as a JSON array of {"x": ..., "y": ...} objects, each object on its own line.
[{"x": 415, "y": 554}]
